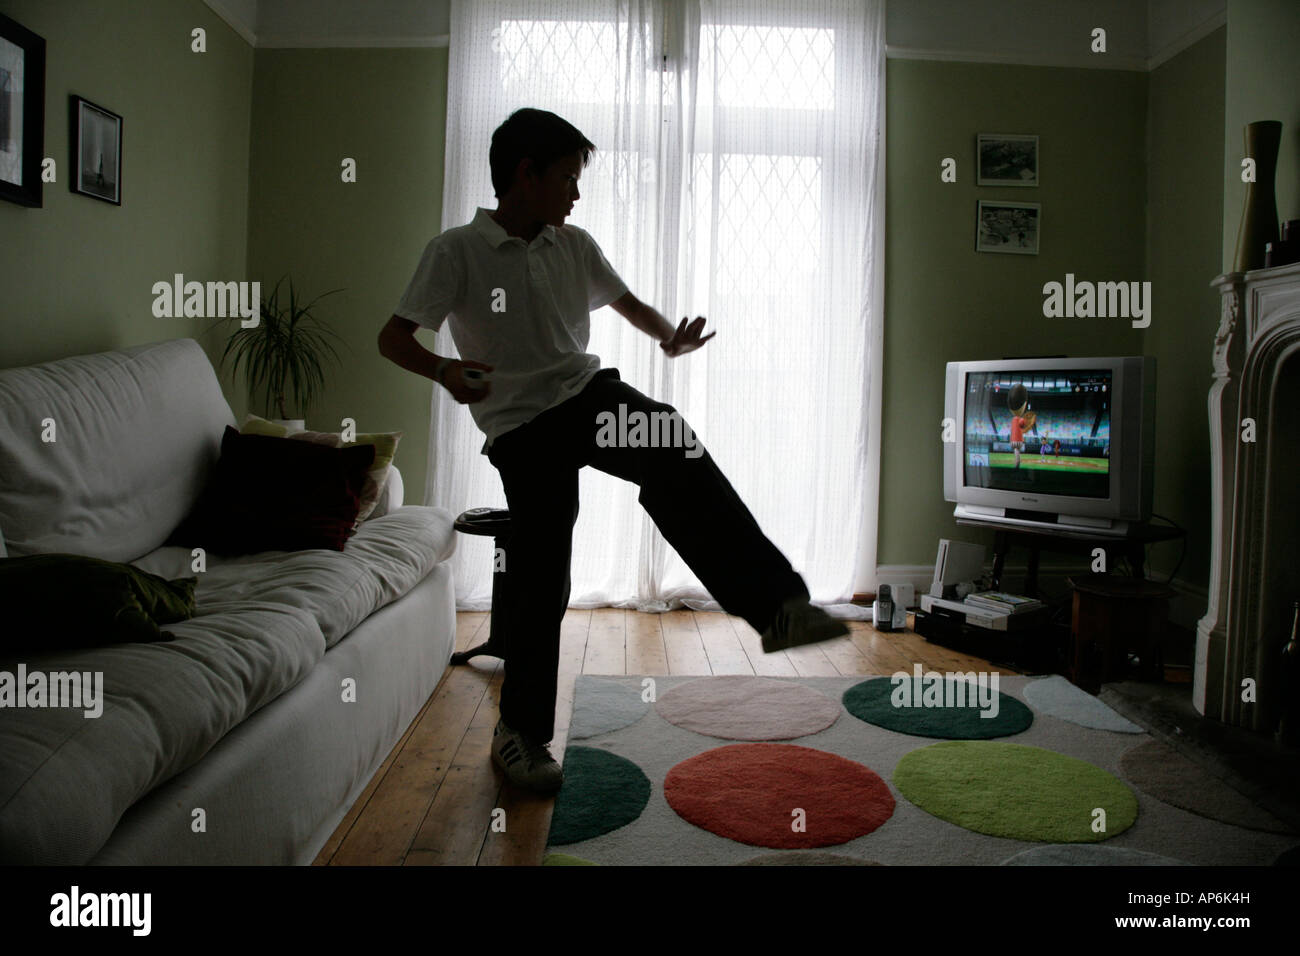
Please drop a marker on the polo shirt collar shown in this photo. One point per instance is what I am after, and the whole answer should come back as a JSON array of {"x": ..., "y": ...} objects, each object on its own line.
[{"x": 492, "y": 231}]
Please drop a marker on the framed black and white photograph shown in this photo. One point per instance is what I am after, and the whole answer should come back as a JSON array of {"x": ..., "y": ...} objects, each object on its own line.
[
  {"x": 1012, "y": 227},
  {"x": 22, "y": 113},
  {"x": 1007, "y": 159},
  {"x": 96, "y": 139}
]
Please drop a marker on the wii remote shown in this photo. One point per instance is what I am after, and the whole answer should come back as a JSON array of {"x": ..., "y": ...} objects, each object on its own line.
[{"x": 474, "y": 377}]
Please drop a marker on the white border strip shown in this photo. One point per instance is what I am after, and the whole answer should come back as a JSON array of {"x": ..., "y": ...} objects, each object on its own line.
[
  {"x": 1108, "y": 61},
  {"x": 1192, "y": 36},
  {"x": 232, "y": 21}
]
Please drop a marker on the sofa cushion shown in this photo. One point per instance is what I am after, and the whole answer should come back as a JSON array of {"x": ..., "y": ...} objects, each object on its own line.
[
  {"x": 267, "y": 494},
  {"x": 67, "y": 776},
  {"x": 339, "y": 589},
  {"x": 390, "y": 499},
  {"x": 103, "y": 455},
  {"x": 54, "y": 602}
]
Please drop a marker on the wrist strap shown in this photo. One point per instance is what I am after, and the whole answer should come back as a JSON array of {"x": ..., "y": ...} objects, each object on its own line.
[{"x": 440, "y": 369}]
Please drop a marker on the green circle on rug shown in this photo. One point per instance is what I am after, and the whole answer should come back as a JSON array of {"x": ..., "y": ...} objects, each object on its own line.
[
  {"x": 602, "y": 792},
  {"x": 942, "y": 707},
  {"x": 1014, "y": 791}
]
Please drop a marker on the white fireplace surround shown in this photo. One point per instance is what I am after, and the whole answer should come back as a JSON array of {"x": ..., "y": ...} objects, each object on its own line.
[{"x": 1255, "y": 556}]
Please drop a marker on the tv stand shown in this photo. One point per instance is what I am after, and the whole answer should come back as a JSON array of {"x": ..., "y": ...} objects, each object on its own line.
[
  {"x": 1042, "y": 520},
  {"x": 1042, "y": 537}
]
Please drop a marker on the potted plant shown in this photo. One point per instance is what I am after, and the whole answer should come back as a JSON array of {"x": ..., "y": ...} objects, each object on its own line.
[{"x": 284, "y": 355}]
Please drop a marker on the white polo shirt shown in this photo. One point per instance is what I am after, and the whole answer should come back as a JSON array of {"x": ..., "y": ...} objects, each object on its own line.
[{"x": 522, "y": 307}]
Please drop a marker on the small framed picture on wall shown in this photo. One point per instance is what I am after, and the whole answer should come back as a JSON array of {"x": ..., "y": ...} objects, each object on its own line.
[
  {"x": 22, "y": 113},
  {"x": 96, "y": 138},
  {"x": 1007, "y": 159},
  {"x": 1002, "y": 226}
]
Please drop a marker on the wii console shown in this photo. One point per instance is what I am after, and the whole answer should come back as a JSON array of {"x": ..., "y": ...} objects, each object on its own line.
[{"x": 957, "y": 565}]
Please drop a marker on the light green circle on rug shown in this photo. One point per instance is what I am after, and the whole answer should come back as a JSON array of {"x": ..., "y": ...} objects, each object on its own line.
[
  {"x": 1014, "y": 791},
  {"x": 566, "y": 859}
]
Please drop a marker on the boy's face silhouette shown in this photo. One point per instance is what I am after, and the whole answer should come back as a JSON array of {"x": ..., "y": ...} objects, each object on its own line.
[{"x": 549, "y": 198}]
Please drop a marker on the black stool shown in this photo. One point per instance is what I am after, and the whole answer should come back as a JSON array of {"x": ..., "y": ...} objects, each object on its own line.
[{"x": 496, "y": 522}]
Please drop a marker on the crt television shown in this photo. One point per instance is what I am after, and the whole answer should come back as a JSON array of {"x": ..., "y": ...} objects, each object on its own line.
[{"x": 1051, "y": 442}]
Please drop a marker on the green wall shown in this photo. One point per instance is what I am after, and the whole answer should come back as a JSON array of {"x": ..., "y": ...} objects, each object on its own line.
[
  {"x": 78, "y": 273},
  {"x": 1184, "y": 246},
  {"x": 1140, "y": 180},
  {"x": 386, "y": 109},
  {"x": 1263, "y": 83},
  {"x": 944, "y": 301}
]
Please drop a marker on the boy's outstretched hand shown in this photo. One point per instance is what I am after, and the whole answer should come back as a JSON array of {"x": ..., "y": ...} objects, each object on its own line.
[{"x": 687, "y": 338}]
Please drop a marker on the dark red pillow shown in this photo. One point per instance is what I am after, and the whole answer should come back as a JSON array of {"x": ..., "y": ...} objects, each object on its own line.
[{"x": 271, "y": 494}]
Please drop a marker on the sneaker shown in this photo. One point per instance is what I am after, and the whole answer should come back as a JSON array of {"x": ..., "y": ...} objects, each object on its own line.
[
  {"x": 525, "y": 764},
  {"x": 799, "y": 622}
]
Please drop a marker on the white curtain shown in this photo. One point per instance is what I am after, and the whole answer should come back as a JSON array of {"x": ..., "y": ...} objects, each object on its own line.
[{"x": 738, "y": 175}]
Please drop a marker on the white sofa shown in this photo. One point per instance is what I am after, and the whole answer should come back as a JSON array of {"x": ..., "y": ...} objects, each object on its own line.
[{"x": 234, "y": 743}]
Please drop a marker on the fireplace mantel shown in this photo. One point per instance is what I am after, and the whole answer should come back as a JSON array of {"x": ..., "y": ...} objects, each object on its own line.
[{"x": 1255, "y": 551}]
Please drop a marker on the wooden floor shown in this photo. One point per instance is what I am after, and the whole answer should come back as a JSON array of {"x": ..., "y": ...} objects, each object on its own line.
[{"x": 437, "y": 798}]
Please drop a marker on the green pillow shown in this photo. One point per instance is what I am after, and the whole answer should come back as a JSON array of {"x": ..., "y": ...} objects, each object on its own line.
[{"x": 57, "y": 602}]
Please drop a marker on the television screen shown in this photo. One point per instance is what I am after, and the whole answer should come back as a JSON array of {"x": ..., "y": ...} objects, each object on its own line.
[{"x": 1043, "y": 432}]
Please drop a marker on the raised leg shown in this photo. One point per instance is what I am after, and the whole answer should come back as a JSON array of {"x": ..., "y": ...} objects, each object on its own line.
[{"x": 696, "y": 509}]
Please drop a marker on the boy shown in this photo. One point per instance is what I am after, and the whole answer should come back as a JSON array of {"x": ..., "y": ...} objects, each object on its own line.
[{"x": 520, "y": 286}]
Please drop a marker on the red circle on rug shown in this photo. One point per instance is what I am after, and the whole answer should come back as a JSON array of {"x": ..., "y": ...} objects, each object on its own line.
[{"x": 750, "y": 793}]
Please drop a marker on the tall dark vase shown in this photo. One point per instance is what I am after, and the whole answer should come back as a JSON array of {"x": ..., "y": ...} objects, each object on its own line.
[{"x": 1259, "y": 217}]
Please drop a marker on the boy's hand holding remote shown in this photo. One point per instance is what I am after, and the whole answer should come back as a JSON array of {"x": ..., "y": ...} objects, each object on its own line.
[{"x": 467, "y": 381}]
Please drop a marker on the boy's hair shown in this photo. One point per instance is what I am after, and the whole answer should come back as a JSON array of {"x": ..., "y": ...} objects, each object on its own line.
[{"x": 532, "y": 134}]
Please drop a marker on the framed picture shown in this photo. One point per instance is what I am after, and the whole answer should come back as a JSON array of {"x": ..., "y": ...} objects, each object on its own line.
[
  {"x": 1002, "y": 226},
  {"x": 1007, "y": 160},
  {"x": 96, "y": 138},
  {"x": 22, "y": 113}
]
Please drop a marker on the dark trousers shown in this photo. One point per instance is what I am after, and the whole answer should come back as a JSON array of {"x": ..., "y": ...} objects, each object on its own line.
[{"x": 689, "y": 499}]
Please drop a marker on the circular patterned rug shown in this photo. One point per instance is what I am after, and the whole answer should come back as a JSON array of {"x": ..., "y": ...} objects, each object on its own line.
[
  {"x": 747, "y": 708},
  {"x": 1089, "y": 854},
  {"x": 1289, "y": 857},
  {"x": 1156, "y": 768},
  {"x": 1010, "y": 790},
  {"x": 944, "y": 708},
  {"x": 1058, "y": 697},
  {"x": 602, "y": 792},
  {"x": 604, "y": 706},
  {"x": 778, "y": 795},
  {"x": 565, "y": 859},
  {"x": 805, "y": 858}
]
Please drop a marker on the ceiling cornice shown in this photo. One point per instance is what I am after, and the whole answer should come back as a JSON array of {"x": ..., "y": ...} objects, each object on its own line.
[{"x": 242, "y": 17}]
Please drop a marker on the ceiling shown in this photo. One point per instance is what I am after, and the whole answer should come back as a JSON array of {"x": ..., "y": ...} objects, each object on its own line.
[{"x": 1141, "y": 34}]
